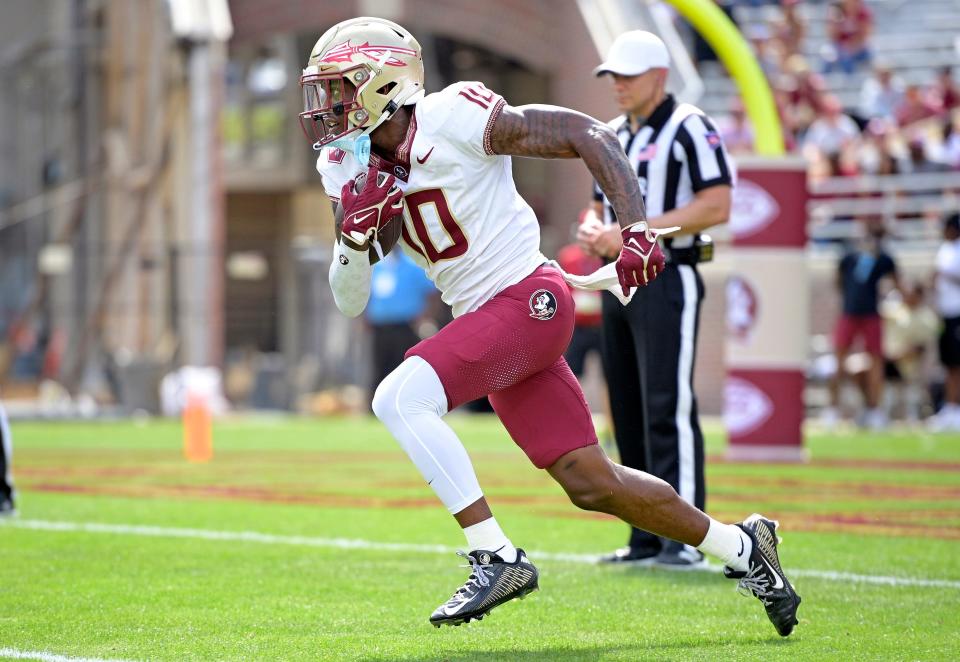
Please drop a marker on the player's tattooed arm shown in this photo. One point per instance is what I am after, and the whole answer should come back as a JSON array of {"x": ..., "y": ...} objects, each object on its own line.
[{"x": 551, "y": 132}]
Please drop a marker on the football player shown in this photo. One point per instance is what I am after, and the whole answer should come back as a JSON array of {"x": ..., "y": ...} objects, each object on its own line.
[{"x": 448, "y": 157}]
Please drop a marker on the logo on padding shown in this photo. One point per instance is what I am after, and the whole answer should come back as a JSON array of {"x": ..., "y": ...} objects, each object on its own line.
[
  {"x": 745, "y": 407},
  {"x": 344, "y": 261},
  {"x": 543, "y": 305},
  {"x": 753, "y": 209}
]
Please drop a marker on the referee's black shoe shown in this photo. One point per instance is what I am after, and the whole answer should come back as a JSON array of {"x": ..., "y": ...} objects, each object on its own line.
[
  {"x": 677, "y": 556},
  {"x": 631, "y": 555},
  {"x": 765, "y": 578},
  {"x": 7, "y": 508},
  {"x": 492, "y": 582}
]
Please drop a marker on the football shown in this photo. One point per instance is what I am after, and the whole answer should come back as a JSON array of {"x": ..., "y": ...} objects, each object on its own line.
[{"x": 387, "y": 234}]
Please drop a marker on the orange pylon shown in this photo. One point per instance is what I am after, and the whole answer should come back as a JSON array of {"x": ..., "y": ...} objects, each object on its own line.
[{"x": 197, "y": 430}]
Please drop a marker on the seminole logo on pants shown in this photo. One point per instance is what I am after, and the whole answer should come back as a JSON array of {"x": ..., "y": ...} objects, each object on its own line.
[{"x": 543, "y": 305}]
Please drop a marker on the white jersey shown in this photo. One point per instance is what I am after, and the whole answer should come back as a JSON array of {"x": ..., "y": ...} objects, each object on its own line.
[{"x": 464, "y": 221}]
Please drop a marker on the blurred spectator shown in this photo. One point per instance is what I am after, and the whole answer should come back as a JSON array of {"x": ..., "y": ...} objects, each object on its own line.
[
  {"x": 881, "y": 94},
  {"x": 788, "y": 121},
  {"x": 951, "y": 142},
  {"x": 914, "y": 107},
  {"x": 875, "y": 155},
  {"x": 849, "y": 25},
  {"x": 858, "y": 276},
  {"x": 587, "y": 319},
  {"x": 400, "y": 294},
  {"x": 947, "y": 286},
  {"x": 702, "y": 52},
  {"x": 790, "y": 30},
  {"x": 769, "y": 52},
  {"x": 736, "y": 131},
  {"x": 945, "y": 91},
  {"x": 909, "y": 327},
  {"x": 805, "y": 90},
  {"x": 918, "y": 160},
  {"x": 830, "y": 132}
]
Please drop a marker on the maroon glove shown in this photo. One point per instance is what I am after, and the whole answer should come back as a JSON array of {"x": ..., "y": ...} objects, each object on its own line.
[
  {"x": 640, "y": 258},
  {"x": 365, "y": 212}
]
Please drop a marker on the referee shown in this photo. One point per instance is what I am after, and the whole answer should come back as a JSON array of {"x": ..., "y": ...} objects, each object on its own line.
[
  {"x": 6, "y": 483},
  {"x": 649, "y": 345}
]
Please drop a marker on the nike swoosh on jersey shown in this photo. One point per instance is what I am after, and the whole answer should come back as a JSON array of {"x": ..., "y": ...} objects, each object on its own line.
[{"x": 423, "y": 159}]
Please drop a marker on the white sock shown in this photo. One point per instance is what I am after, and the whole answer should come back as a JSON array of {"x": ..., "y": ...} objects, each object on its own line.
[
  {"x": 488, "y": 535},
  {"x": 728, "y": 543}
]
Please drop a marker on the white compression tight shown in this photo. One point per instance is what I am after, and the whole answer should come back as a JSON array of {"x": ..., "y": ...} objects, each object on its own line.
[{"x": 411, "y": 402}]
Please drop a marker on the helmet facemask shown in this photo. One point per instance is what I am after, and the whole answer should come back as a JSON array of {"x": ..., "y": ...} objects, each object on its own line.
[
  {"x": 359, "y": 73},
  {"x": 331, "y": 107}
]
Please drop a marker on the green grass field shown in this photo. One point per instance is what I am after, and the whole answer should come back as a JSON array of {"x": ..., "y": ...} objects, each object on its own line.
[{"x": 317, "y": 540}]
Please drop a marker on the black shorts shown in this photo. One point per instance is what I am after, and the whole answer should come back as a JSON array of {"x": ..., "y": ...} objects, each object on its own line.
[{"x": 950, "y": 342}]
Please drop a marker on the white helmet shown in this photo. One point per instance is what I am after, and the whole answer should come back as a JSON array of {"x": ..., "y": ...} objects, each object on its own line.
[{"x": 359, "y": 73}]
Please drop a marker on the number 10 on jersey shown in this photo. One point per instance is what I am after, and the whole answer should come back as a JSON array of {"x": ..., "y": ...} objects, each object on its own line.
[{"x": 417, "y": 204}]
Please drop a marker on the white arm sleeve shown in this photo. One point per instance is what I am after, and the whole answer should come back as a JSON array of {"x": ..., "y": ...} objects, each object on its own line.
[{"x": 350, "y": 279}]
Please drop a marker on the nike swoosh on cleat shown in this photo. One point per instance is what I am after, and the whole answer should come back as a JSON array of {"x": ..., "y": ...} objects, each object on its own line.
[
  {"x": 452, "y": 610},
  {"x": 423, "y": 159},
  {"x": 779, "y": 582},
  {"x": 740, "y": 553}
]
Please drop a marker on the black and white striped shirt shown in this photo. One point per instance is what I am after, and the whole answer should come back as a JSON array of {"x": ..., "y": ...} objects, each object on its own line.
[{"x": 676, "y": 154}]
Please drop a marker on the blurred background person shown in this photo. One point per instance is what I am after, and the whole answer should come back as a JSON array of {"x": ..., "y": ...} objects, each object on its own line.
[
  {"x": 804, "y": 91},
  {"x": 586, "y": 331},
  {"x": 858, "y": 277},
  {"x": 849, "y": 25},
  {"x": 587, "y": 337},
  {"x": 918, "y": 160},
  {"x": 909, "y": 328},
  {"x": 737, "y": 132},
  {"x": 830, "y": 134},
  {"x": 881, "y": 94},
  {"x": 951, "y": 141},
  {"x": 947, "y": 287},
  {"x": 790, "y": 30},
  {"x": 945, "y": 91},
  {"x": 915, "y": 106},
  {"x": 7, "y": 506},
  {"x": 400, "y": 298}
]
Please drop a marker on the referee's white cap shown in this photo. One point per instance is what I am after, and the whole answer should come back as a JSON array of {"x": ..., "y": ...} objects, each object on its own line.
[{"x": 634, "y": 53}]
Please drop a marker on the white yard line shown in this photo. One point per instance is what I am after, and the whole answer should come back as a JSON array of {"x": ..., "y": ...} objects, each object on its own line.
[
  {"x": 354, "y": 543},
  {"x": 43, "y": 656}
]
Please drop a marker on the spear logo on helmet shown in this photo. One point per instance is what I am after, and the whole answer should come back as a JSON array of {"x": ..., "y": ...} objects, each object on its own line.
[{"x": 344, "y": 53}]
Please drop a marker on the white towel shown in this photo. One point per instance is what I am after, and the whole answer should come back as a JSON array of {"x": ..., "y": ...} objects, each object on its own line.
[{"x": 605, "y": 278}]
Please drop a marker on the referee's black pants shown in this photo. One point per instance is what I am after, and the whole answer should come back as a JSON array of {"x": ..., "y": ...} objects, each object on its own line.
[{"x": 649, "y": 347}]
